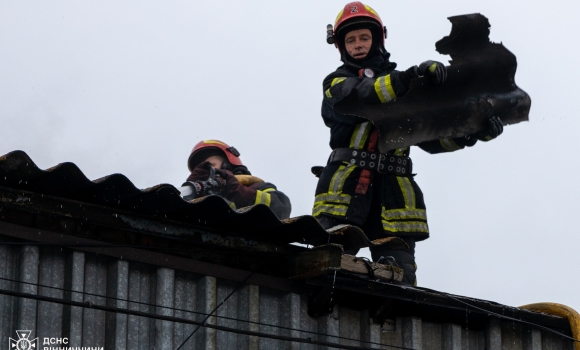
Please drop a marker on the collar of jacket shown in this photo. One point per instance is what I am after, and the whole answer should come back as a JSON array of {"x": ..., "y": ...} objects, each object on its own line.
[{"x": 378, "y": 62}]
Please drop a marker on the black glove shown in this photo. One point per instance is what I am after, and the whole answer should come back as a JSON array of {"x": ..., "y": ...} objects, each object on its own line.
[
  {"x": 234, "y": 191},
  {"x": 494, "y": 129},
  {"x": 204, "y": 181},
  {"x": 435, "y": 70}
]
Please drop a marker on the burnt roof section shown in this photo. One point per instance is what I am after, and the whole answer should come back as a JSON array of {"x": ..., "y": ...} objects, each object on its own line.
[{"x": 66, "y": 180}]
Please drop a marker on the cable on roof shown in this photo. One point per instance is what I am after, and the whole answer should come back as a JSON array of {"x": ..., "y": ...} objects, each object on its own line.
[
  {"x": 191, "y": 311},
  {"x": 184, "y": 320},
  {"x": 473, "y": 307},
  {"x": 500, "y": 315}
]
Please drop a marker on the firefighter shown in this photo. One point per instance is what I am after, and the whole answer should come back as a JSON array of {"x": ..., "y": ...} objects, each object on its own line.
[
  {"x": 234, "y": 182},
  {"x": 382, "y": 202}
]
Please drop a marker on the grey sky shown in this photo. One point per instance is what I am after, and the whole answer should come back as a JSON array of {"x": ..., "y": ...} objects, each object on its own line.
[{"x": 129, "y": 87}]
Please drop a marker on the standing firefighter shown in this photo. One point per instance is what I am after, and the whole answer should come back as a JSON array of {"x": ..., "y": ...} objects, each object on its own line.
[
  {"x": 375, "y": 192},
  {"x": 216, "y": 168}
]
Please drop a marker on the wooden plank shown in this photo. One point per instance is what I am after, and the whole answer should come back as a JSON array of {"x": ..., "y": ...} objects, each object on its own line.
[{"x": 355, "y": 264}]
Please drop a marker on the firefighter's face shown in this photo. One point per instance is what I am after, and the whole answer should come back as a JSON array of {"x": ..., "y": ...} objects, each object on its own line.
[
  {"x": 216, "y": 161},
  {"x": 358, "y": 43}
]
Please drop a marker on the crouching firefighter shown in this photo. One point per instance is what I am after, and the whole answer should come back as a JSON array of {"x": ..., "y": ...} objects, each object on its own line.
[
  {"x": 359, "y": 185},
  {"x": 217, "y": 169}
]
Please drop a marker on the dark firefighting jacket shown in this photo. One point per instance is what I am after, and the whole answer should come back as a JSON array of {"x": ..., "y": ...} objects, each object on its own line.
[{"x": 344, "y": 190}]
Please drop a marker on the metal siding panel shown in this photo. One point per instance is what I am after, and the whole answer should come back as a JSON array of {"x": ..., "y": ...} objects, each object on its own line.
[
  {"x": 393, "y": 338},
  {"x": 493, "y": 334},
  {"x": 29, "y": 264},
  {"x": 511, "y": 336},
  {"x": 164, "y": 297},
  {"x": 185, "y": 291},
  {"x": 133, "y": 295},
  {"x": 95, "y": 283},
  {"x": 291, "y": 318},
  {"x": 532, "y": 339},
  {"x": 374, "y": 335},
  {"x": 432, "y": 336},
  {"x": 269, "y": 314},
  {"x": 9, "y": 270},
  {"x": 307, "y": 323},
  {"x": 142, "y": 282},
  {"x": 552, "y": 341},
  {"x": 77, "y": 284},
  {"x": 248, "y": 309},
  {"x": 50, "y": 315},
  {"x": 329, "y": 326},
  {"x": 473, "y": 340},
  {"x": 117, "y": 288},
  {"x": 254, "y": 316},
  {"x": 451, "y": 336},
  {"x": 227, "y": 340},
  {"x": 412, "y": 333},
  {"x": 206, "y": 303},
  {"x": 349, "y": 326}
]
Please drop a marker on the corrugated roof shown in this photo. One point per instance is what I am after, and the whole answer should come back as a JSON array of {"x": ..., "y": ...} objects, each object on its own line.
[{"x": 66, "y": 180}]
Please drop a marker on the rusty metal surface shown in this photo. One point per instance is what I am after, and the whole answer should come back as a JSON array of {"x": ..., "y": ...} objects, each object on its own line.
[
  {"x": 480, "y": 83},
  {"x": 161, "y": 202}
]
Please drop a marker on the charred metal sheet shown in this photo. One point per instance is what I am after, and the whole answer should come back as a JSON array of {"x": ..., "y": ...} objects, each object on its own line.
[
  {"x": 480, "y": 83},
  {"x": 66, "y": 180}
]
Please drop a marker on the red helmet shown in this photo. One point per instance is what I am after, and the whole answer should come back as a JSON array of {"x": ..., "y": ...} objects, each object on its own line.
[
  {"x": 208, "y": 148},
  {"x": 357, "y": 15}
]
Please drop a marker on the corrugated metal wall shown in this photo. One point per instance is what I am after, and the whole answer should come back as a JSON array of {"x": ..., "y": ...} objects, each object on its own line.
[{"x": 168, "y": 289}]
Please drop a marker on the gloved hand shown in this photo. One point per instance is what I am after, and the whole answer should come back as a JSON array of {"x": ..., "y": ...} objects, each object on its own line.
[
  {"x": 234, "y": 191},
  {"x": 494, "y": 129},
  {"x": 435, "y": 70},
  {"x": 203, "y": 181},
  {"x": 200, "y": 173}
]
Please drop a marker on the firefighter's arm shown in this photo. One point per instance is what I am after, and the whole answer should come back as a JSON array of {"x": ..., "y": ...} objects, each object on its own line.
[
  {"x": 493, "y": 130},
  {"x": 382, "y": 89},
  {"x": 278, "y": 202},
  {"x": 447, "y": 144}
]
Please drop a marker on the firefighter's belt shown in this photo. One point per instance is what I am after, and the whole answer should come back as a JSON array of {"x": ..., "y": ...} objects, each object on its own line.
[{"x": 382, "y": 163}]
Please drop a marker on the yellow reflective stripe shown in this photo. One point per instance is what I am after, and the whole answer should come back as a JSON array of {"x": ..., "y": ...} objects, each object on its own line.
[
  {"x": 384, "y": 89},
  {"x": 404, "y": 214},
  {"x": 338, "y": 17},
  {"x": 372, "y": 11},
  {"x": 408, "y": 192},
  {"x": 406, "y": 226},
  {"x": 401, "y": 151},
  {"x": 432, "y": 67},
  {"x": 360, "y": 135},
  {"x": 328, "y": 94},
  {"x": 449, "y": 145},
  {"x": 329, "y": 197},
  {"x": 263, "y": 198},
  {"x": 268, "y": 190},
  {"x": 334, "y": 209},
  {"x": 338, "y": 179},
  {"x": 337, "y": 81},
  {"x": 214, "y": 142}
]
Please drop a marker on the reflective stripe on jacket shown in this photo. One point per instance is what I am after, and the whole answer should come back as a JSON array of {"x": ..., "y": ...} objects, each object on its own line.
[{"x": 403, "y": 211}]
